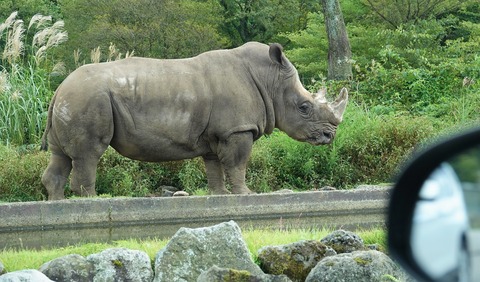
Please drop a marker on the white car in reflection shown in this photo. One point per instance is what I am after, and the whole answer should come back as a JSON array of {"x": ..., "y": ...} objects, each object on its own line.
[{"x": 440, "y": 222}]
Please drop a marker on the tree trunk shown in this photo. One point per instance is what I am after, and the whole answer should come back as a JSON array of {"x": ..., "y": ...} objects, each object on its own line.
[{"x": 339, "y": 52}]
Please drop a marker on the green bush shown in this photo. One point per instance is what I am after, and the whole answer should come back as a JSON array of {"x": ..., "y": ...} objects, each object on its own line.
[
  {"x": 120, "y": 176},
  {"x": 20, "y": 174},
  {"x": 368, "y": 149},
  {"x": 21, "y": 169}
]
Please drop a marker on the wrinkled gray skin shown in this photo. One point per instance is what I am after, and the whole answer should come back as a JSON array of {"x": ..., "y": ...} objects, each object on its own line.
[{"x": 214, "y": 105}]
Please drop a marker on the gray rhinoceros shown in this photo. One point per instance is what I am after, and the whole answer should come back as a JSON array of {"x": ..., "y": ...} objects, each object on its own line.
[{"x": 214, "y": 105}]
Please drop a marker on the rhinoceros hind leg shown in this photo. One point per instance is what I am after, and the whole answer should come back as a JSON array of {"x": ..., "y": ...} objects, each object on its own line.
[
  {"x": 234, "y": 154},
  {"x": 83, "y": 176},
  {"x": 215, "y": 175},
  {"x": 56, "y": 175}
]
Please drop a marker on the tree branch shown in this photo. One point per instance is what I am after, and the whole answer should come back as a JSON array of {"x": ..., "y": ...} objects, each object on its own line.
[{"x": 380, "y": 14}]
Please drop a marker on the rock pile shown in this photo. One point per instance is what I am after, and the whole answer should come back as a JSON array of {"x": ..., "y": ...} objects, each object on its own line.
[{"x": 218, "y": 253}]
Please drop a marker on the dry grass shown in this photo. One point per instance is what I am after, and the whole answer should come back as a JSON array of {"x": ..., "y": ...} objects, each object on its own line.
[
  {"x": 96, "y": 54},
  {"x": 46, "y": 37}
]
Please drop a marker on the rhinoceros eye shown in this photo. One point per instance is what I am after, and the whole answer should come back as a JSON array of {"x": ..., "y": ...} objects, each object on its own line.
[{"x": 305, "y": 107}]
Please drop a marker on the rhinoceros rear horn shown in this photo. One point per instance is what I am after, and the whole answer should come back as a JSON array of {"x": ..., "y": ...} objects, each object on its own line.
[
  {"x": 320, "y": 96},
  {"x": 340, "y": 104}
]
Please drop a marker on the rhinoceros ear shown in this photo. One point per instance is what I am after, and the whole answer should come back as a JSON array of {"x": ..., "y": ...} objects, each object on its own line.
[
  {"x": 276, "y": 53},
  {"x": 340, "y": 104}
]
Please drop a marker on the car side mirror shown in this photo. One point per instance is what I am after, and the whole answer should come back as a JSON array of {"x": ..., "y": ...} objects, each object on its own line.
[{"x": 434, "y": 212}]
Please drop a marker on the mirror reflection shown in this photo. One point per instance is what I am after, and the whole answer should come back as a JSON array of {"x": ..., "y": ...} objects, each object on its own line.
[{"x": 446, "y": 213}]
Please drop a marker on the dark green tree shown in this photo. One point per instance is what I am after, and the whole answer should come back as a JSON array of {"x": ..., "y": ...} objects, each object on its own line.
[
  {"x": 398, "y": 12},
  {"x": 162, "y": 29},
  {"x": 262, "y": 20},
  {"x": 28, "y": 8}
]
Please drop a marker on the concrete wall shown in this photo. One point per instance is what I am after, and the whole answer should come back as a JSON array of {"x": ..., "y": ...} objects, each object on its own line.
[{"x": 98, "y": 219}]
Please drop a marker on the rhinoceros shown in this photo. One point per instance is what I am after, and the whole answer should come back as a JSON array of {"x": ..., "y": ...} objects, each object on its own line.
[{"x": 214, "y": 105}]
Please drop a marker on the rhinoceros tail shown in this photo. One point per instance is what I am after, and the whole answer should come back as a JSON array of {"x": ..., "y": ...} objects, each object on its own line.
[{"x": 44, "y": 145}]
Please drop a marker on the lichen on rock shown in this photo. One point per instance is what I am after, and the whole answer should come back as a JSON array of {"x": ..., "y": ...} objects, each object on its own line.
[
  {"x": 359, "y": 266},
  {"x": 217, "y": 274},
  {"x": 294, "y": 260},
  {"x": 192, "y": 251},
  {"x": 343, "y": 241}
]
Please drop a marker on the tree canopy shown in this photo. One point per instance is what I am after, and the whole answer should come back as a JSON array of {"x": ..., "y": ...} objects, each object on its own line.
[{"x": 393, "y": 34}]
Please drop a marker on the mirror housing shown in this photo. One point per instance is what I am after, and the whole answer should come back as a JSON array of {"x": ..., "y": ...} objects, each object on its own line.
[{"x": 406, "y": 194}]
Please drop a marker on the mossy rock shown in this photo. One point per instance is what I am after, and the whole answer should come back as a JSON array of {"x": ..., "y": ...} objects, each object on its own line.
[
  {"x": 294, "y": 260},
  {"x": 343, "y": 241},
  {"x": 359, "y": 266},
  {"x": 217, "y": 274}
]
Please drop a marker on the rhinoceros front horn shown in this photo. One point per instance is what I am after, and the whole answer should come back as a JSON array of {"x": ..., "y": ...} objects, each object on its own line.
[{"x": 340, "y": 104}]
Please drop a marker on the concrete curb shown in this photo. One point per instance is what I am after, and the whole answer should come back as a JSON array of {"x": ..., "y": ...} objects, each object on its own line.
[{"x": 113, "y": 216}]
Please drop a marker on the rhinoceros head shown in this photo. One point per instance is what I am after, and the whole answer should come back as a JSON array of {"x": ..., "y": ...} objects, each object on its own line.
[{"x": 304, "y": 116}]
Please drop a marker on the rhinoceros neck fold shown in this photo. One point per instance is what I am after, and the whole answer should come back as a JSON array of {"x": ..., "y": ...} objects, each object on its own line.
[{"x": 267, "y": 101}]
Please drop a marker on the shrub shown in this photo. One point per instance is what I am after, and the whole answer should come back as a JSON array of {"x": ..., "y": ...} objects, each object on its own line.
[
  {"x": 368, "y": 149},
  {"x": 371, "y": 146},
  {"x": 20, "y": 174},
  {"x": 120, "y": 176}
]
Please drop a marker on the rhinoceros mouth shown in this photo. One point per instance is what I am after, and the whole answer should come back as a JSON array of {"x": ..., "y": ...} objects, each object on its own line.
[
  {"x": 318, "y": 141},
  {"x": 322, "y": 138}
]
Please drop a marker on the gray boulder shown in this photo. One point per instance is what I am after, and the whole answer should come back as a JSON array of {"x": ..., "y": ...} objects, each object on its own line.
[
  {"x": 28, "y": 275},
  {"x": 193, "y": 251},
  {"x": 168, "y": 191},
  {"x": 120, "y": 264},
  {"x": 217, "y": 274},
  {"x": 359, "y": 266},
  {"x": 343, "y": 241},
  {"x": 74, "y": 268},
  {"x": 294, "y": 260}
]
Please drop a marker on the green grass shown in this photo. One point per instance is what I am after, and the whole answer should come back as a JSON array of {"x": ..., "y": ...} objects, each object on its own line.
[{"x": 254, "y": 238}]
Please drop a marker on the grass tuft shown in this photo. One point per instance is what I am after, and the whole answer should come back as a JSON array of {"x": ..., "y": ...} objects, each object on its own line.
[{"x": 25, "y": 77}]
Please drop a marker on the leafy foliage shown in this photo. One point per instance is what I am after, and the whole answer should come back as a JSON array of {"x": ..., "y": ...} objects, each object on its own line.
[
  {"x": 400, "y": 12},
  {"x": 20, "y": 175},
  {"x": 262, "y": 20},
  {"x": 419, "y": 68},
  {"x": 162, "y": 29}
]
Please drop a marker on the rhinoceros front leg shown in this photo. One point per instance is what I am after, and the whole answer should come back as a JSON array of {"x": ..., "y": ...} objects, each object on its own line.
[
  {"x": 215, "y": 175},
  {"x": 83, "y": 176},
  {"x": 234, "y": 154},
  {"x": 84, "y": 167}
]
